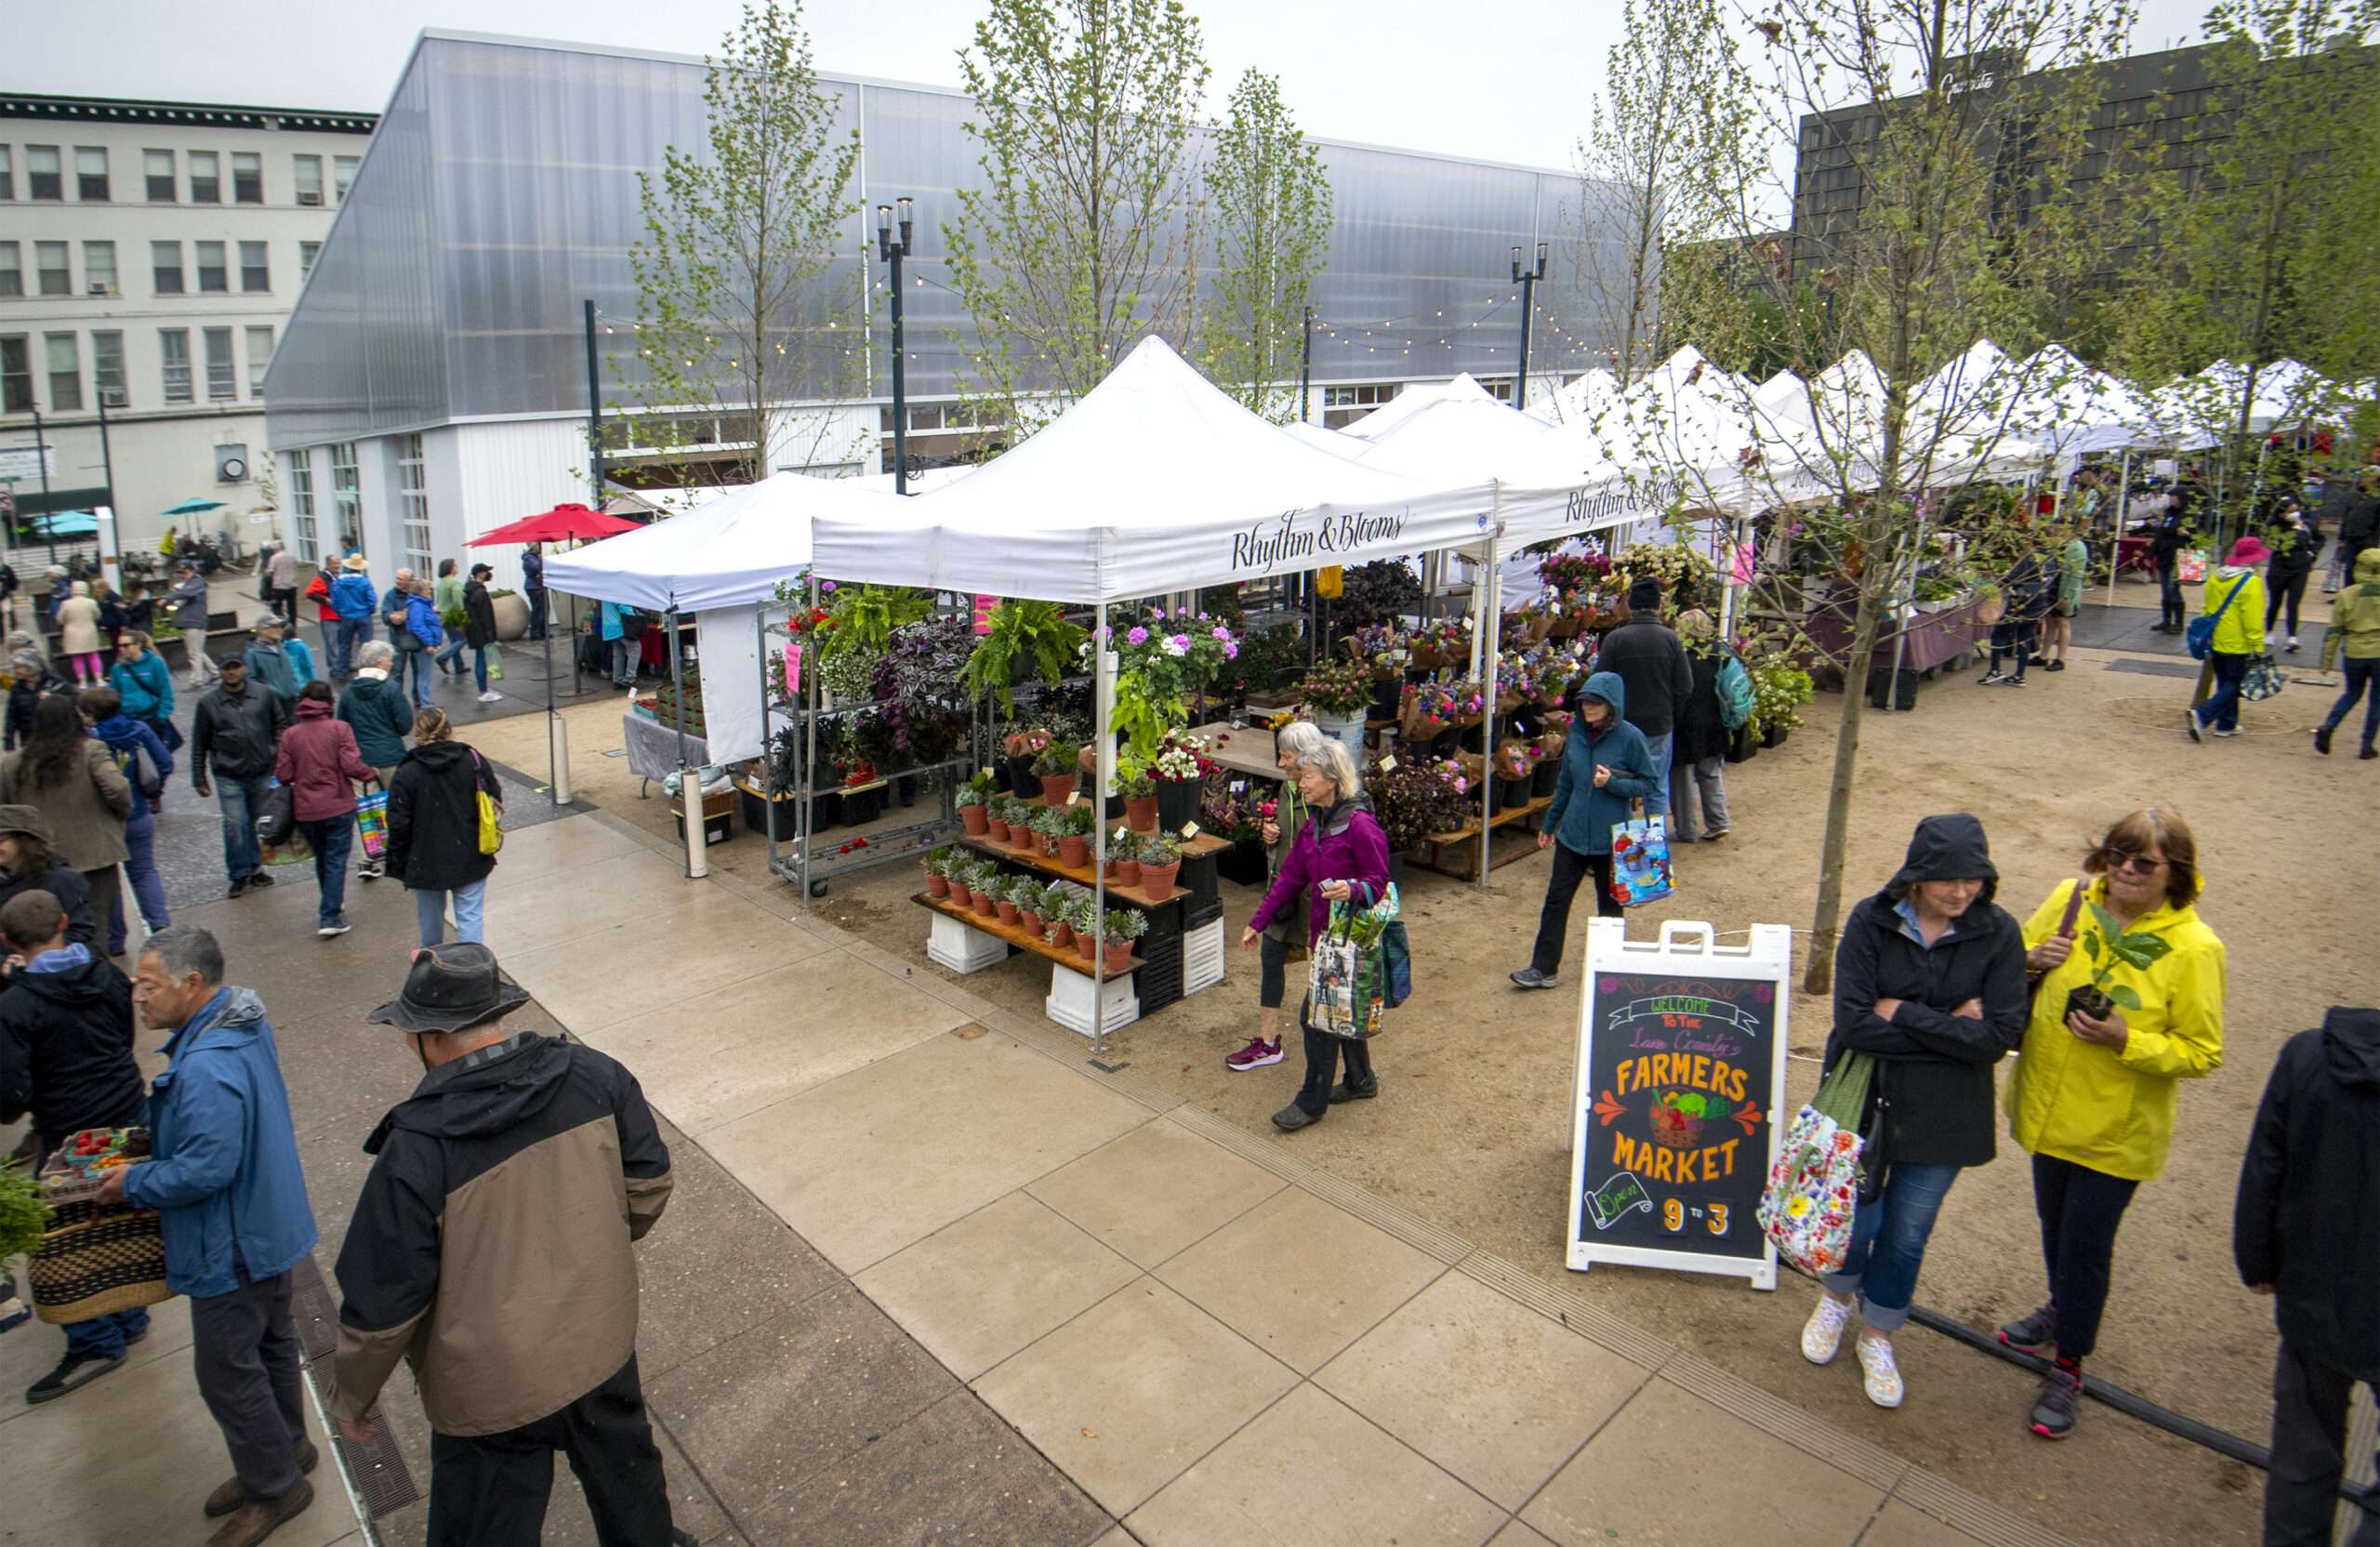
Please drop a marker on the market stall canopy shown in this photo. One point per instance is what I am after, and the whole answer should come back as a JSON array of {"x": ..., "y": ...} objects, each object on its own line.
[
  {"x": 732, "y": 552},
  {"x": 1412, "y": 400},
  {"x": 1579, "y": 398},
  {"x": 1153, "y": 481},
  {"x": 562, "y": 524}
]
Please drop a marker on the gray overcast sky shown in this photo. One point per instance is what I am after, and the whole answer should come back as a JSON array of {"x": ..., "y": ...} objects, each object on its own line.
[{"x": 1506, "y": 83}]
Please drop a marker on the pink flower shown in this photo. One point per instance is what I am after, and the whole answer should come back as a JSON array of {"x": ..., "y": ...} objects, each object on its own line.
[
  {"x": 1202, "y": 618},
  {"x": 826, "y": 585},
  {"x": 1138, "y": 636},
  {"x": 1221, "y": 632},
  {"x": 1231, "y": 651},
  {"x": 1158, "y": 613},
  {"x": 1178, "y": 644}
]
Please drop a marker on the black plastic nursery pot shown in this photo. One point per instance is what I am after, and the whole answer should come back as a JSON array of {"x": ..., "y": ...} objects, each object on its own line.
[
  {"x": 1547, "y": 773},
  {"x": 1177, "y": 803},
  {"x": 863, "y": 806}
]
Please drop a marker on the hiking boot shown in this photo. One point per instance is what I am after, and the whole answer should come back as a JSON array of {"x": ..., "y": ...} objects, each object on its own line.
[
  {"x": 1258, "y": 1053},
  {"x": 73, "y": 1372},
  {"x": 1529, "y": 977},
  {"x": 252, "y": 1520},
  {"x": 2035, "y": 1332},
  {"x": 1343, "y": 1091},
  {"x": 2054, "y": 1412},
  {"x": 2322, "y": 740},
  {"x": 1289, "y": 1118},
  {"x": 1879, "y": 1375},
  {"x": 231, "y": 1495},
  {"x": 1822, "y": 1334}
]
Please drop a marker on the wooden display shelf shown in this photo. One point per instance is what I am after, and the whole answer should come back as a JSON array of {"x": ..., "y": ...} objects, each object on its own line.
[
  {"x": 1437, "y": 844},
  {"x": 1205, "y": 843},
  {"x": 1066, "y": 956}
]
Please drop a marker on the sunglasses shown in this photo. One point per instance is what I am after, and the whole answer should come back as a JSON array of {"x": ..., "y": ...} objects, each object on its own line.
[{"x": 2139, "y": 865}]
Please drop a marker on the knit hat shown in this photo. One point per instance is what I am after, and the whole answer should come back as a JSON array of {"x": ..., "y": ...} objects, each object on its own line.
[{"x": 1644, "y": 595}]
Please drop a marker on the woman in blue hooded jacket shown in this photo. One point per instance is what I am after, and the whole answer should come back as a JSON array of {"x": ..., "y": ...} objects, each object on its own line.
[{"x": 1605, "y": 766}]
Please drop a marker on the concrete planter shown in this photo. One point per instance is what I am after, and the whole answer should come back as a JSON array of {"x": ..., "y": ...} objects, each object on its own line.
[{"x": 511, "y": 615}]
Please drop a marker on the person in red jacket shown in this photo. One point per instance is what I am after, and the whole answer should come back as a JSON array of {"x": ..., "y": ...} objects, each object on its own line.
[
  {"x": 317, "y": 591},
  {"x": 319, "y": 762}
]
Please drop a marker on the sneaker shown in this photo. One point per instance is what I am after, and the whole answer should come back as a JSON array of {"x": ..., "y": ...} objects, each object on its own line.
[
  {"x": 1343, "y": 1091},
  {"x": 259, "y": 879},
  {"x": 491, "y": 697},
  {"x": 1822, "y": 1334},
  {"x": 1991, "y": 677},
  {"x": 1289, "y": 1118},
  {"x": 73, "y": 1372},
  {"x": 2014, "y": 682},
  {"x": 370, "y": 870},
  {"x": 1529, "y": 977},
  {"x": 330, "y": 931},
  {"x": 2322, "y": 740},
  {"x": 2053, "y": 665},
  {"x": 2221, "y": 732},
  {"x": 2367, "y": 755},
  {"x": 2189, "y": 724},
  {"x": 2291, "y": 648},
  {"x": 231, "y": 1495},
  {"x": 256, "y": 1519},
  {"x": 239, "y": 888},
  {"x": 1258, "y": 1053},
  {"x": 2035, "y": 1332},
  {"x": 1879, "y": 1376},
  {"x": 2053, "y": 1415},
  {"x": 1714, "y": 835}
]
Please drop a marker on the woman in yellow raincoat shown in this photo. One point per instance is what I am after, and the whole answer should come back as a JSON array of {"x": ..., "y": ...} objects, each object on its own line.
[{"x": 2092, "y": 1100}]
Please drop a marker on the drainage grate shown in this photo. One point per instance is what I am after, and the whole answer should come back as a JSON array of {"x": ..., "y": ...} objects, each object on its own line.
[
  {"x": 2155, "y": 668},
  {"x": 375, "y": 1469}
]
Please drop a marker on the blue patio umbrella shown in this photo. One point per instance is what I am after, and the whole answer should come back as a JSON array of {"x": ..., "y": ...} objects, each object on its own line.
[
  {"x": 66, "y": 523},
  {"x": 193, "y": 506}
]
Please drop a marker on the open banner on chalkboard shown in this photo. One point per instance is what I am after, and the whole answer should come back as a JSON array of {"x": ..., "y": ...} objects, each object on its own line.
[{"x": 1681, "y": 1068}]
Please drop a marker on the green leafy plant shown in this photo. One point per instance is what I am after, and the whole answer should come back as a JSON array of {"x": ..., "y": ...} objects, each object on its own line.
[
  {"x": 982, "y": 875},
  {"x": 23, "y": 1215},
  {"x": 937, "y": 860},
  {"x": 864, "y": 618},
  {"x": 1033, "y": 637},
  {"x": 1134, "y": 781},
  {"x": 1124, "y": 923},
  {"x": 1158, "y": 848},
  {"x": 1778, "y": 689},
  {"x": 1124, "y": 844},
  {"x": 977, "y": 790},
  {"x": 1024, "y": 891},
  {"x": 1078, "y": 818},
  {"x": 2108, "y": 947},
  {"x": 1053, "y": 901},
  {"x": 1052, "y": 762}
]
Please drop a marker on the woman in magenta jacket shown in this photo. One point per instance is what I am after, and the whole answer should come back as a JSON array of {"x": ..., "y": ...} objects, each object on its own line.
[
  {"x": 319, "y": 764},
  {"x": 1341, "y": 853}
]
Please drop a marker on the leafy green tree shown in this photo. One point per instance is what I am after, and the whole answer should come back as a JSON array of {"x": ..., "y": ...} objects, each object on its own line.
[{"x": 1268, "y": 199}]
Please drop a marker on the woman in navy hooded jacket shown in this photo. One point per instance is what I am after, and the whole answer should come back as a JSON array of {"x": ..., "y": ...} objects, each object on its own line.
[{"x": 1605, "y": 766}]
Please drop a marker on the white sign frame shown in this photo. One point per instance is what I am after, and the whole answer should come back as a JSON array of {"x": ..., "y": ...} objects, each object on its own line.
[{"x": 1688, "y": 947}]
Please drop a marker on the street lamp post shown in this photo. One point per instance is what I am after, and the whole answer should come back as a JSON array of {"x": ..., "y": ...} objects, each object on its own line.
[
  {"x": 892, "y": 251},
  {"x": 1527, "y": 279}
]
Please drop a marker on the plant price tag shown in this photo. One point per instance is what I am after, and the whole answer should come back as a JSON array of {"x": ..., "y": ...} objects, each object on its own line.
[
  {"x": 1072, "y": 796},
  {"x": 1189, "y": 829},
  {"x": 1388, "y": 765}
]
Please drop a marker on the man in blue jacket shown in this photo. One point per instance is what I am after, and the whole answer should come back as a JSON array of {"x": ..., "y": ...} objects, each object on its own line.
[
  {"x": 351, "y": 599},
  {"x": 226, "y": 1179}
]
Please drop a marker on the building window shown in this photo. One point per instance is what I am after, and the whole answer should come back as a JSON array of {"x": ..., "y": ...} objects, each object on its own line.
[
  {"x": 343, "y": 174},
  {"x": 347, "y": 497},
  {"x": 206, "y": 177},
  {"x": 7, "y": 175},
  {"x": 259, "y": 357},
  {"x": 12, "y": 269},
  {"x": 300, "y": 467},
  {"x": 255, "y": 273},
  {"x": 310, "y": 179},
  {"x": 247, "y": 178},
  {"x": 413, "y": 504},
  {"x": 42, "y": 177},
  {"x": 223, "y": 376},
  {"x": 157, "y": 169},
  {"x": 50, "y": 260},
  {"x": 15, "y": 374},
  {"x": 65, "y": 373},
  {"x": 98, "y": 268},
  {"x": 91, "y": 174},
  {"x": 212, "y": 275},
  {"x": 173, "y": 350},
  {"x": 307, "y": 253},
  {"x": 106, "y": 368},
  {"x": 166, "y": 268}
]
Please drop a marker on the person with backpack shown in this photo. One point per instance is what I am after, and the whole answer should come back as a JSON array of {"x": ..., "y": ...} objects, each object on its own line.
[
  {"x": 147, "y": 764},
  {"x": 2228, "y": 635},
  {"x": 351, "y": 599},
  {"x": 434, "y": 830},
  {"x": 1707, "y": 724},
  {"x": 1646, "y": 655},
  {"x": 413, "y": 629},
  {"x": 377, "y": 710}
]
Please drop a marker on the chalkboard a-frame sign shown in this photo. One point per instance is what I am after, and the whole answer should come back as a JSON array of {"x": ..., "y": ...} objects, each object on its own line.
[{"x": 1681, "y": 1067}]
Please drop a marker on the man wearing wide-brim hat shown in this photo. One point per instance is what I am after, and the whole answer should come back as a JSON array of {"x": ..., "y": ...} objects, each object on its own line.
[
  {"x": 351, "y": 598},
  {"x": 491, "y": 1249}
]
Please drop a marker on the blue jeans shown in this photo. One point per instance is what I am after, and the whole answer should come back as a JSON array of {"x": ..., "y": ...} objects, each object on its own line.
[
  {"x": 453, "y": 650},
  {"x": 330, "y": 839},
  {"x": 418, "y": 661},
  {"x": 2221, "y": 710},
  {"x": 141, "y": 872},
  {"x": 353, "y": 632},
  {"x": 1658, "y": 803},
  {"x": 430, "y": 913},
  {"x": 105, "y": 1337},
  {"x": 2362, "y": 676},
  {"x": 479, "y": 665},
  {"x": 1888, "y": 1243},
  {"x": 242, "y": 799}
]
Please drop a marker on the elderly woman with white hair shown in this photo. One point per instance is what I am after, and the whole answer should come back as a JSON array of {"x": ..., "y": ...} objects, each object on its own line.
[
  {"x": 1340, "y": 855},
  {"x": 1290, "y": 742},
  {"x": 78, "y": 637}
]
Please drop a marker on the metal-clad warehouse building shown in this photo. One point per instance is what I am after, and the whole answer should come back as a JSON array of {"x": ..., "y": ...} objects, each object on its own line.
[{"x": 432, "y": 382}]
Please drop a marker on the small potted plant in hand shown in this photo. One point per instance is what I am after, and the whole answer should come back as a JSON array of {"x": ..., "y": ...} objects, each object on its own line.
[
  {"x": 981, "y": 880},
  {"x": 972, "y": 811},
  {"x": 1121, "y": 927},
  {"x": 1057, "y": 774},
  {"x": 938, "y": 875},
  {"x": 1124, "y": 857},
  {"x": 1004, "y": 898},
  {"x": 1139, "y": 789},
  {"x": 1160, "y": 859},
  {"x": 2108, "y": 946},
  {"x": 1058, "y": 912},
  {"x": 1074, "y": 835}
]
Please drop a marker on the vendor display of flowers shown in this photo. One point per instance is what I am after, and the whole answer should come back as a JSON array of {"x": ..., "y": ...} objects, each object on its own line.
[{"x": 1339, "y": 688}]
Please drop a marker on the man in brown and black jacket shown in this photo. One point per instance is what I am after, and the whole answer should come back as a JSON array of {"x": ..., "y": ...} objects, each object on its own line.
[{"x": 490, "y": 1249}]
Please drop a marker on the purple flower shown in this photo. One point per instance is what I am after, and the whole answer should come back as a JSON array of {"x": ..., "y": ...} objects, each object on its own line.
[
  {"x": 1231, "y": 651},
  {"x": 1158, "y": 613},
  {"x": 1202, "y": 618},
  {"x": 1138, "y": 636},
  {"x": 1221, "y": 632},
  {"x": 1179, "y": 644},
  {"x": 827, "y": 587}
]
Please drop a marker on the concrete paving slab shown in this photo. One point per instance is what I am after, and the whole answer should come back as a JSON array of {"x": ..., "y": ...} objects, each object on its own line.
[
  {"x": 730, "y": 1051},
  {"x": 34, "y": 1350},
  {"x": 650, "y": 966},
  {"x": 867, "y": 1164},
  {"x": 1312, "y": 1470},
  {"x": 1491, "y": 1391},
  {"x": 692, "y": 1508},
  {"x": 953, "y": 1473},
  {"x": 794, "y": 1395},
  {"x": 1897, "y": 1525},
  {"x": 569, "y": 842},
  {"x": 1673, "y": 1468},
  {"x": 592, "y": 902},
  {"x": 1127, "y": 1395},
  {"x": 1518, "y": 1535},
  {"x": 976, "y": 1291},
  {"x": 1155, "y": 1191},
  {"x": 1301, "y": 1279}
]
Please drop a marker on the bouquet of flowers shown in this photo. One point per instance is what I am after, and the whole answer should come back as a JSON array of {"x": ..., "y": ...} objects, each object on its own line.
[
  {"x": 1383, "y": 647},
  {"x": 1567, "y": 572},
  {"x": 1338, "y": 688},
  {"x": 1180, "y": 756},
  {"x": 1411, "y": 801}
]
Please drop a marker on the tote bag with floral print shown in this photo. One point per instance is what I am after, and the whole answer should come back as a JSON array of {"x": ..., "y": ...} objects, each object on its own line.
[{"x": 1813, "y": 1187}]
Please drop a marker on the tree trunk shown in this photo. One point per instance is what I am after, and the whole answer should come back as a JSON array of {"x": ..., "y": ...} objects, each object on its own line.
[{"x": 1818, "y": 975}]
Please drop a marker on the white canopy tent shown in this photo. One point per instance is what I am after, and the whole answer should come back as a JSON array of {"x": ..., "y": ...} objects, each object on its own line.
[
  {"x": 1582, "y": 397},
  {"x": 732, "y": 550},
  {"x": 1411, "y": 400}
]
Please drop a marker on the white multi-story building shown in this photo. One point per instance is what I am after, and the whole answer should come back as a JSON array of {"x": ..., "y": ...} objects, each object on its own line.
[{"x": 149, "y": 255}]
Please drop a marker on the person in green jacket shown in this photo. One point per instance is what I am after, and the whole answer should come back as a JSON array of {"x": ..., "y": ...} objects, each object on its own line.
[
  {"x": 2057, "y": 629},
  {"x": 1289, "y": 742},
  {"x": 2235, "y": 599},
  {"x": 2353, "y": 639},
  {"x": 375, "y": 708}
]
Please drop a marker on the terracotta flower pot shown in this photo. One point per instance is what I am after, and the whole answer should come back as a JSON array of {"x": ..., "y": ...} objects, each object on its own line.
[
  {"x": 937, "y": 886},
  {"x": 1030, "y": 920},
  {"x": 961, "y": 895},
  {"x": 1157, "y": 880},
  {"x": 1023, "y": 840},
  {"x": 1124, "y": 872},
  {"x": 995, "y": 829},
  {"x": 1074, "y": 850},
  {"x": 1048, "y": 844},
  {"x": 1140, "y": 812},
  {"x": 1055, "y": 788},
  {"x": 1083, "y": 946},
  {"x": 1007, "y": 910},
  {"x": 985, "y": 907},
  {"x": 1120, "y": 955},
  {"x": 1062, "y": 934},
  {"x": 976, "y": 819}
]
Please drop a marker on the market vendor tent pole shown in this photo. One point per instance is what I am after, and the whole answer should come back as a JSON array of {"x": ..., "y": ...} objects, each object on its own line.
[
  {"x": 1103, "y": 770},
  {"x": 1490, "y": 632},
  {"x": 689, "y": 790}
]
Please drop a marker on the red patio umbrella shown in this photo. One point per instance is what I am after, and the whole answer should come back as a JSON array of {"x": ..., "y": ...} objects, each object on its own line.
[{"x": 562, "y": 524}]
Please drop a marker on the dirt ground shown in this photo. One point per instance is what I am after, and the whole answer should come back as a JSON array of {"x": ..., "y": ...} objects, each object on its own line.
[{"x": 1473, "y": 1129}]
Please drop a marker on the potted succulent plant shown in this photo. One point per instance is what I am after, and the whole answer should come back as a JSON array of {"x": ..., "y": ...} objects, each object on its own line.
[
  {"x": 1118, "y": 931},
  {"x": 1026, "y": 893},
  {"x": 1124, "y": 857},
  {"x": 1004, "y": 899},
  {"x": 2108, "y": 946},
  {"x": 972, "y": 796},
  {"x": 996, "y": 810},
  {"x": 982, "y": 877},
  {"x": 1021, "y": 835},
  {"x": 1056, "y": 771},
  {"x": 1058, "y": 912},
  {"x": 1079, "y": 913},
  {"x": 1047, "y": 824},
  {"x": 1160, "y": 859},
  {"x": 937, "y": 878},
  {"x": 1074, "y": 835},
  {"x": 1139, "y": 790},
  {"x": 959, "y": 875}
]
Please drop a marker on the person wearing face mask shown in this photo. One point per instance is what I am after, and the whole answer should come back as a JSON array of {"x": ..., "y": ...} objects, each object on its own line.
[
  {"x": 1929, "y": 982},
  {"x": 1606, "y": 765},
  {"x": 2093, "y": 1098},
  {"x": 2295, "y": 545}
]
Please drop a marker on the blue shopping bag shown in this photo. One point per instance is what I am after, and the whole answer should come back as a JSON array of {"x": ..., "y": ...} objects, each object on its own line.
[{"x": 1640, "y": 860}]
